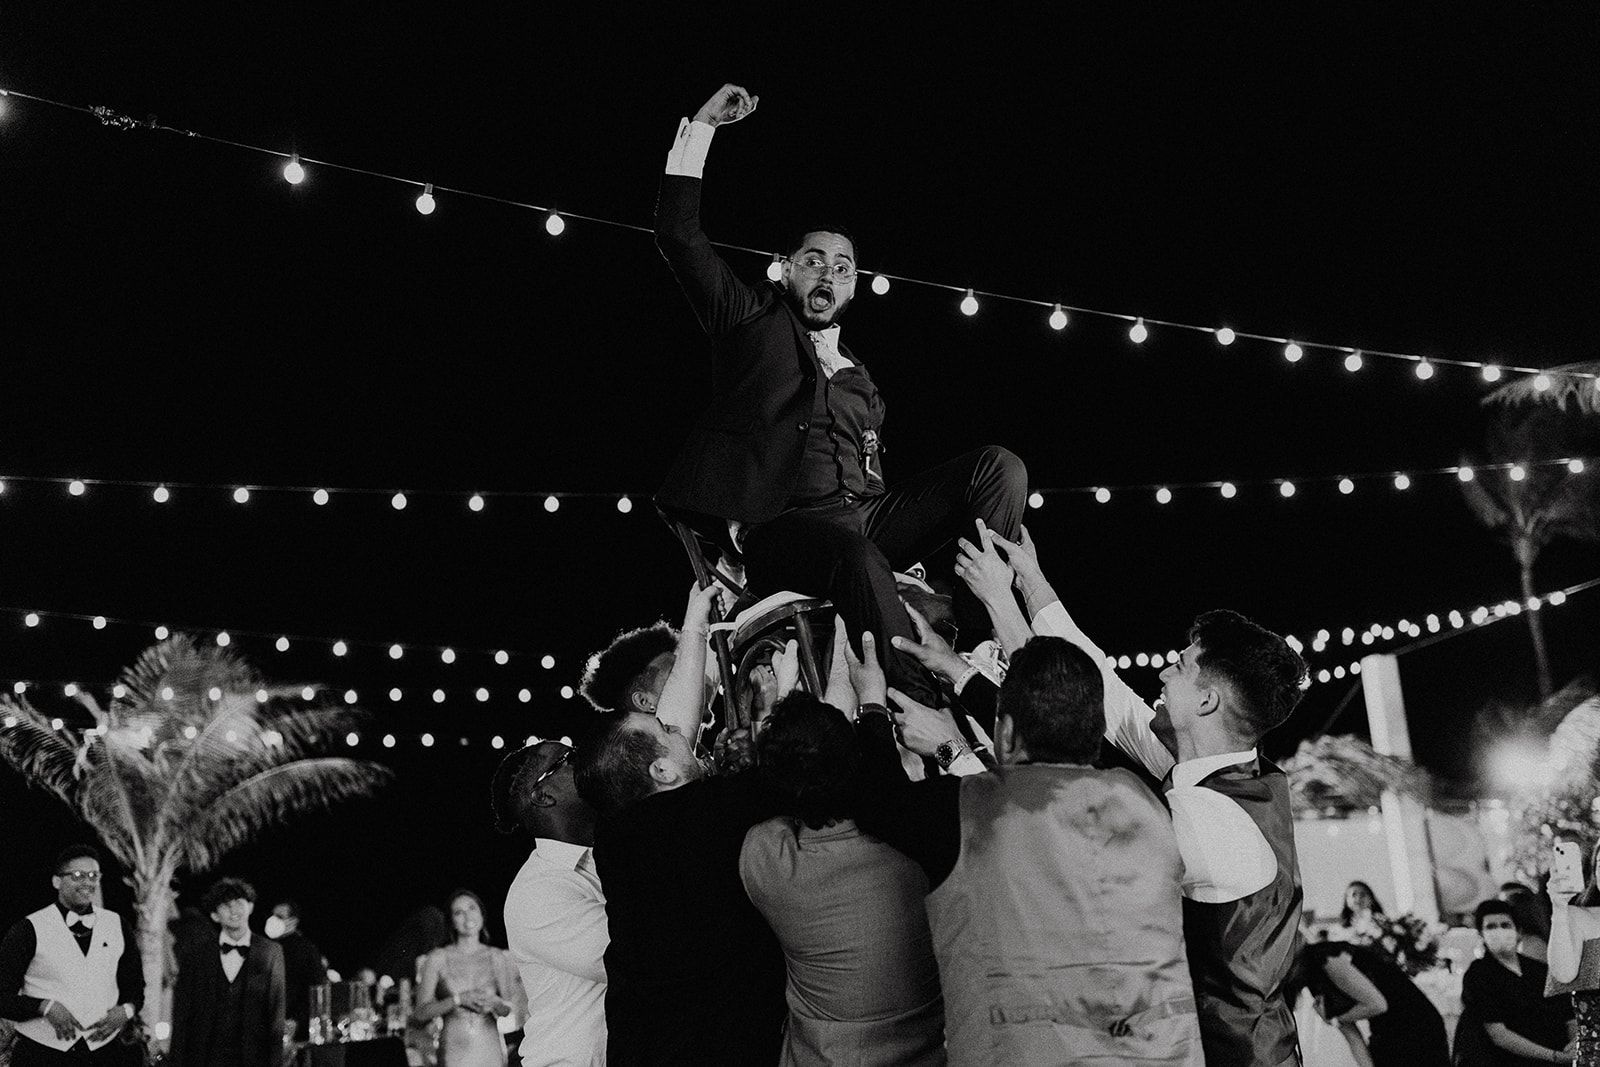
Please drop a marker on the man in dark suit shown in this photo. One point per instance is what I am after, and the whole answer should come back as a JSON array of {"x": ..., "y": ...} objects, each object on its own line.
[
  {"x": 70, "y": 975},
  {"x": 228, "y": 1004},
  {"x": 303, "y": 968},
  {"x": 789, "y": 454}
]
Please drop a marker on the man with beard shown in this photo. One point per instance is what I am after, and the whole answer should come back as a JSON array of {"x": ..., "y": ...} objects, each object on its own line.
[{"x": 788, "y": 455}]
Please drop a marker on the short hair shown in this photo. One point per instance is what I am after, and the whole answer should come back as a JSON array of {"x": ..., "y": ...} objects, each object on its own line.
[
  {"x": 615, "y": 670},
  {"x": 797, "y": 239},
  {"x": 612, "y": 767},
  {"x": 455, "y": 895},
  {"x": 224, "y": 890},
  {"x": 1056, "y": 700},
  {"x": 1266, "y": 675},
  {"x": 510, "y": 786},
  {"x": 77, "y": 852},
  {"x": 1494, "y": 907},
  {"x": 292, "y": 904},
  {"x": 807, "y": 752}
]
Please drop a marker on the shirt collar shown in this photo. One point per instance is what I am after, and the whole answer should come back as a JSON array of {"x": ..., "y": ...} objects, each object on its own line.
[
  {"x": 560, "y": 853},
  {"x": 1192, "y": 772},
  {"x": 224, "y": 939}
]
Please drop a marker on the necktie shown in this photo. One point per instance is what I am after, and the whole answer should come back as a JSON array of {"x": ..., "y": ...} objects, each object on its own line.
[{"x": 238, "y": 950}]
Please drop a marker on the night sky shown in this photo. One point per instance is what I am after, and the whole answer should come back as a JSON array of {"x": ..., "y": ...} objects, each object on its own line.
[{"x": 173, "y": 311}]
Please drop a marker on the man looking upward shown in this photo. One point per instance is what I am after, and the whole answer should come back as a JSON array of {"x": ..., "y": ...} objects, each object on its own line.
[{"x": 789, "y": 452}]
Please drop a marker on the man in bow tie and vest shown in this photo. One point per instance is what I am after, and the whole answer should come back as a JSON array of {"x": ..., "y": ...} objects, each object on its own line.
[
  {"x": 789, "y": 452},
  {"x": 228, "y": 1003},
  {"x": 70, "y": 975}
]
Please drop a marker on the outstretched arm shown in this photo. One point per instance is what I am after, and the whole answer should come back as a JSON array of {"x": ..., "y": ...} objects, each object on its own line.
[
  {"x": 720, "y": 300},
  {"x": 990, "y": 578},
  {"x": 683, "y": 694}
]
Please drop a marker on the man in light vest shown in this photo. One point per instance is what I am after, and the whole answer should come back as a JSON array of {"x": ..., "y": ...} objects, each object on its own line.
[{"x": 70, "y": 975}]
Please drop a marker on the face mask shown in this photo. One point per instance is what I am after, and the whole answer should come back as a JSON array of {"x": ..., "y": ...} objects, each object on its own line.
[
  {"x": 273, "y": 927},
  {"x": 1500, "y": 941}
]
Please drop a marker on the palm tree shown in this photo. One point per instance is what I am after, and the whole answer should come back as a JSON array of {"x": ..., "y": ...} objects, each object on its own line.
[
  {"x": 194, "y": 757},
  {"x": 1549, "y": 500}
]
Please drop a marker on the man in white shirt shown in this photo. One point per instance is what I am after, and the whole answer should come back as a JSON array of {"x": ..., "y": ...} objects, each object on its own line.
[
  {"x": 1230, "y": 806},
  {"x": 555, "y": 911},
  {"x": 69, "y": 973}
]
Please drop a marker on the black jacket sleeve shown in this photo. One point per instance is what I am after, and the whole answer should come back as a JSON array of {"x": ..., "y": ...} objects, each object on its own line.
[
  {"x": 721, "y": 301},
  {"x": 16, "y": 952},
  {"x": 130, "y": 969},
  {"x": 921, "y": 819}
]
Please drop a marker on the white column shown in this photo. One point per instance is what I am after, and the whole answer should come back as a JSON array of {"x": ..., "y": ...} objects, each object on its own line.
[{"x": 1410, "y": 857}]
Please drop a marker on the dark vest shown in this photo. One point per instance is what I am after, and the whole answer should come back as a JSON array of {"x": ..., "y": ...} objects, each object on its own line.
[
  {"x": 225, "y": 1046},
  {"x": 1240, "y": 952}
]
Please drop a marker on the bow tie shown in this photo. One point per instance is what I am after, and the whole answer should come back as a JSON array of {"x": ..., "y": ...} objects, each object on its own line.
[
  {"x": 74, "y": 920},
  {"x": 238, "y": 950}
]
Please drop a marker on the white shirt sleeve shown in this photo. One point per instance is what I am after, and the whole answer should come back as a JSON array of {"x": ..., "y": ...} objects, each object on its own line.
[
  {"x": 1127, "y": 717},
  {"x": 562, "y": 926},
  {"x": 688, "y": 156},
  {"x": 1225, "y": 855}
]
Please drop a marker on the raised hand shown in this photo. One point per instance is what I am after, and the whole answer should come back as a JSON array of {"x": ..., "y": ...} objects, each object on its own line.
[
  {"x": 786, "y": 665},
  {"x": 982, "y": 567},
  {"x": 697, "y": 613},
  {"x": 921, "y": 729},
  {"x": 931, "y": 650},
  {"x": 728, "y": 104},
  {"x": 866, "y": 673}
]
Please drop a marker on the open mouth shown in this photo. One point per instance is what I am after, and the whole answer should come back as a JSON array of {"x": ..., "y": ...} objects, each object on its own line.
[{"x": 821, "y": 299}]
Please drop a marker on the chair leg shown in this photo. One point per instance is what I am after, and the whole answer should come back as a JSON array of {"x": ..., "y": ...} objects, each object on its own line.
[{"x": 808, "y": 656}]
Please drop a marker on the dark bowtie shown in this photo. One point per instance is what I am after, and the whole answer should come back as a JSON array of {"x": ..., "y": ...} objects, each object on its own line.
[{"x": 238, "y": 950}]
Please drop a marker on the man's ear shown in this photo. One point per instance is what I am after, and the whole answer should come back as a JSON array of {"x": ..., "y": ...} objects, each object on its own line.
[
  {"x": 1005, "y": 739},
  {"x": 1210, "y": 700},
  {"x": 640, "y": 701},
  {"x": 542, "y": 799},
  {"x": 662, "y": 771}
]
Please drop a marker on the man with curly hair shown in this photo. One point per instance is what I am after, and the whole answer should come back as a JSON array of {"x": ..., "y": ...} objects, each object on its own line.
[{"x": 228, "y": 1003}]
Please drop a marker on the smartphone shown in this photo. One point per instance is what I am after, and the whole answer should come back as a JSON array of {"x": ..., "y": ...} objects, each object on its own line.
[{"x": 1566, "y": 868}]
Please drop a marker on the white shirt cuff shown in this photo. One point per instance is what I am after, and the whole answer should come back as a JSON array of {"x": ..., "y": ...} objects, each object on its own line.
[{"x": 688, "y": 156}]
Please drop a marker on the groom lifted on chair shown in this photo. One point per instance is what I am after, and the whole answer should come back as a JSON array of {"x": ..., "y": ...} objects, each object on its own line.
[{"x": 789, "y": 451}]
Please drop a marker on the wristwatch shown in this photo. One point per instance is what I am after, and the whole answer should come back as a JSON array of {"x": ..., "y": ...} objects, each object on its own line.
[
  {"x": 949, "y": 751},
  {"x": 872, "y": 706}
]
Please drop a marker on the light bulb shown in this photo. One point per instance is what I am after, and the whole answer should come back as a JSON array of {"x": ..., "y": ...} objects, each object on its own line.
[
  {"x": 1293, "y": 352},
  {"x": 1402, "y": 482},
  {"x": 340, "y": 648},
  {"x": 1491, "y": 373},
  {"x": 352, "y": 739},
  {"x": 388, "y": 740},
  {"x": 1352, "y": 362},
  {"x": 425, "y": 204},
  {"x": 969, "y": 303},
  {"x": 1575, "y": 466},
  {"x": 398, "y": 501},
  {"x": 554, "y": 224},
  {"x": 438, "y": 696},
  {"x": 349, "y": 696},
  {"x": 482, "y": 694},
  {"x": 99, "y": 622},
  {"x": 497, "y": 741},
  {"x": 1229, "y": 490},
  {"x": 548, "y": 662},
  {"x": 395, "y": 694},
  {"x": 282, "y": 644},
  {"x": 624, "y": 505},
  {"x": 1163, "y": 495},
  {"x": 1424, "y": 370},
  {"x": 525, "y": 695},
  {"x": 502, "y": 657},
  {"x": 1058, "y": 318},
  {"x": 396, "y": 651},
  {"x": 1465, "y": 474},
  {"x": 1226, "y": 336},
  {"x": 160, "y": 494},
  {"x": 880, "y": 283},
  {"x": 566, "y": 692},
  {"x": 320, "y": 497},
  {"x": 1036, "y": 499},
  {"x": 551, "y": 504},
  {"x": 162, "y": 633},
  {"x": 1541, "y": 382},
  {"x": 223, "y": 640},
  {"x": 775, "y": 268},
  {"x": 293, "y": 172},
  {"x": 1286, "y": 489},
  {"x": 448, "y": 655},
  {"x": 427, "y": 740},
  {"x": 1517, "y": 473},
  {"x": 1102, "y": 495},
  {"x": 76, "y": 487},
  {"x": 475, "y": 502},
  {"x": 241, "y": 495},
  {"x": 31, "y": 619},
  {"x": 1138, "y": 332},
  {"x": 1346, "y": 486}
]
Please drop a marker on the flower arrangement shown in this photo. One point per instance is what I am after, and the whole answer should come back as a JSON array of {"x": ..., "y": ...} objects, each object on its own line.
[{"x": 1410, "y": 943}]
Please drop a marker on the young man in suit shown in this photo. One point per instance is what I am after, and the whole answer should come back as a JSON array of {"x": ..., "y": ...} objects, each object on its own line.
[
  {"x": 70, "y": 975},
  {"x": 788, "y": 455},
  {"x": 228, "y": 1004}
]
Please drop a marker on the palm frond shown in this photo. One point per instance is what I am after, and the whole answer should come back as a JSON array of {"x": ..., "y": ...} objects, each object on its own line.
[
  {"x": 273, "y": 796},
  {"x": 41, "y": 755},
  {"x": 1572, "y": 383},
  {"x": 1345, "y": 773}
]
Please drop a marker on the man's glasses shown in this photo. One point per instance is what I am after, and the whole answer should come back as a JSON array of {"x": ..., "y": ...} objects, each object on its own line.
[
  {"x": 839, "y": 272},
  {"x": 555, "y": 766},
  {"x": 81, "y": 876}
]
